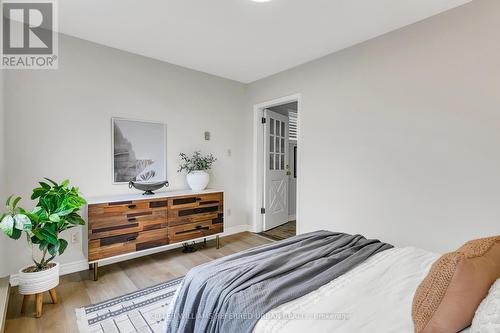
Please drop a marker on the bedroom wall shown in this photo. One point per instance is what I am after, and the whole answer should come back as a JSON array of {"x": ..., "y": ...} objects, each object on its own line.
[
  {"x": 400, "y": 135},
  {"x": 59, "y": 124},
  {"x": 3, "y": 238}
]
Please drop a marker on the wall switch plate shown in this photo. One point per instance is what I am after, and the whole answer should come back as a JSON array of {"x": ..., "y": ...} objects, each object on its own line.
[
  {"x": 229, "y": 212},
  {"x": 207, "y": 136},
  {"x": 74, "y": 238}
]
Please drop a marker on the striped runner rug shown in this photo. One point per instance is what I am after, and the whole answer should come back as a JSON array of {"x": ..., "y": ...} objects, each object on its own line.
[{"x": 144, "y": 310}]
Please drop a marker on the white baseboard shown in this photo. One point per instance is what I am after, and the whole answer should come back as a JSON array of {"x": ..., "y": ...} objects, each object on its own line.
[
  {"x": 236, "y": 229},
  {"x": 82, "y": 265}
]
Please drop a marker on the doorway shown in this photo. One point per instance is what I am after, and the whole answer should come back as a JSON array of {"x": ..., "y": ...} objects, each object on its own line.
[{"x": 279, "y": 138}]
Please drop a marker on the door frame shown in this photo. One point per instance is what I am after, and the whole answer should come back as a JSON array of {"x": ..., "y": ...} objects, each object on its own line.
[{"x": 259, "y": 160}]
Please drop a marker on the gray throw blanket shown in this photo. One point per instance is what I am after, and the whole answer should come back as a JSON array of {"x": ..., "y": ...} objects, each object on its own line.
[{"x": 231, "y": 294}]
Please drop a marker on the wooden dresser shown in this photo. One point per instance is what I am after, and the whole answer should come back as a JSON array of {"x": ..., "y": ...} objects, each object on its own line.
[{"x": 122, "y": 225}]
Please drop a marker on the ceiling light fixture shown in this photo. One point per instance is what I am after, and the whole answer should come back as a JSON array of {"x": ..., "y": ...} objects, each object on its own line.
[{"x": 261, "y": 0}]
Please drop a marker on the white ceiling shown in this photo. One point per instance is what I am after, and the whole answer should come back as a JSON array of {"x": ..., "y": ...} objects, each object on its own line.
[{"x": 239, "y": 39}]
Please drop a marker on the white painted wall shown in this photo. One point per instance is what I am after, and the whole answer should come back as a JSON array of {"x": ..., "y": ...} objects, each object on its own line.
[
  {"x": 3, "y": 238},
  {"x": 58, "y": 124},
  {"x": 400, "y": 135}
]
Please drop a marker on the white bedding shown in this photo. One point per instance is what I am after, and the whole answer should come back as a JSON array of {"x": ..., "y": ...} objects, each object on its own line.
[{"x": 376, "y": 296}]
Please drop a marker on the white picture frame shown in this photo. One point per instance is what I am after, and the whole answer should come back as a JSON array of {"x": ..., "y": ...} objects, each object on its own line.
[{"x": 138, "y": 151}]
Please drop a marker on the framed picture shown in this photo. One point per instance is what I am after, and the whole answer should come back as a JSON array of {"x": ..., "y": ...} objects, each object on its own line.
[{"x": 139, "y": 151}]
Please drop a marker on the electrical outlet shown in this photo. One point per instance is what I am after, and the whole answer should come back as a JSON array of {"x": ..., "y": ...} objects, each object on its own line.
[
  {"x": 229, "y": 152},
  {"x": 74, "y": 238}
]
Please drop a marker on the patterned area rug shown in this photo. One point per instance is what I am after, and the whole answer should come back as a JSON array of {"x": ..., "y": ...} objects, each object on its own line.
[
  {"x": 281, "y": 232},
  {"x": 141, "y": 311}
]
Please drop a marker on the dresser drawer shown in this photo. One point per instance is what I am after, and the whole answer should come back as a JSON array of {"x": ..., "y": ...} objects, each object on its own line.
[
  {"x": 193, "y": 218},
  {"x": 194, "y": 230},
  {"x": 193, "y": 201},
  {"x": 97, "y": 252},
  {"x": 126, "y": 207},
  {"x": 201, "y": 211},
  {"x": 126, "y": 243},
  {"x": 122, "y": 224},
  {"x": 132, "y": 215}
]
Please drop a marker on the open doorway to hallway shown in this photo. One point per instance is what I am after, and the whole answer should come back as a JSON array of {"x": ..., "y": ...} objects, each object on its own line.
[{"x": 280, "y": 170}]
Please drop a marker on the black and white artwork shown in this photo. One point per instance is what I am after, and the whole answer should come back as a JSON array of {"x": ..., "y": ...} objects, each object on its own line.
[{"x": 139, "y": 149}]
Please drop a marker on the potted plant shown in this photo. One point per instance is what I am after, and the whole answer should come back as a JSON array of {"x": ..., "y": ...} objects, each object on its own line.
[
  {"x": 197, "y": 166},
  {"x": 56, "y": 210}
]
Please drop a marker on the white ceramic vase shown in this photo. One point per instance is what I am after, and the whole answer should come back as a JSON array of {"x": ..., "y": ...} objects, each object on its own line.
[
  {"x": 198, "y": 180},
  {"x": 38, "y": 282}
]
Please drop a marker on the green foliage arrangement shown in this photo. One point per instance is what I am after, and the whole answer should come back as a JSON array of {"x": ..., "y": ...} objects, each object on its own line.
[
  {"x": 196, "y": 162},
  {"x": 56, "y": 210}
]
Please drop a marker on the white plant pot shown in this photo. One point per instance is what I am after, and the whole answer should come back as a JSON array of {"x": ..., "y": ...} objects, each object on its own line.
[
  {"x": 38, "y": 282},
  {"x": 198, "y": 180}
]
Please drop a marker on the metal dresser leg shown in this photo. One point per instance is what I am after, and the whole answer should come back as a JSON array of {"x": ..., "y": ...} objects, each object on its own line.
[
  {"x": 217, "y": 242},
  {"x": 96, "y": 272}
]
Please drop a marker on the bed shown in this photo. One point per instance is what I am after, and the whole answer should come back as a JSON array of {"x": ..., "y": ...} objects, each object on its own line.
[
  {"x": 356, "y": 285},
  {"x": 379, "y": 290}
]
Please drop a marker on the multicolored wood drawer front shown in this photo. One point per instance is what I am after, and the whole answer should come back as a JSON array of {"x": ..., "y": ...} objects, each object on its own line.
[
  {"x": 193, "y": 209},
  {"x": 186, "y": 232},
  {"x": 126, "y": 243},
  {"x": 123, "y": 227},
  {"x": 117, "y": 228},
  {"x": 191, "y": 217}
]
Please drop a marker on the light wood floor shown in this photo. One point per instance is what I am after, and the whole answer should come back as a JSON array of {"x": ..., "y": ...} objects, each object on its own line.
[
  {"x": 76, "y": 290},
  {"x": 283, "y": 231}
]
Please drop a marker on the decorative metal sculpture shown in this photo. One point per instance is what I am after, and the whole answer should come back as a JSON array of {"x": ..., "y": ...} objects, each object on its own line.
[{"x": 147, "y": 187}]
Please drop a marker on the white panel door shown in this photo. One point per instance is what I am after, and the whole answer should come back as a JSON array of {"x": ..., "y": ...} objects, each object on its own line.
[{"x": 276, "y": 166}]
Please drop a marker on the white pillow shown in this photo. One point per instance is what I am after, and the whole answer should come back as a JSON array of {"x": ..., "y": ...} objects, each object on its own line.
[{"x": 487, "y": 318}]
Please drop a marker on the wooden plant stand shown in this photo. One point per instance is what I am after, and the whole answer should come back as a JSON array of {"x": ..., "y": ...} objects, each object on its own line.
[{"x": 38, "y": 302}]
